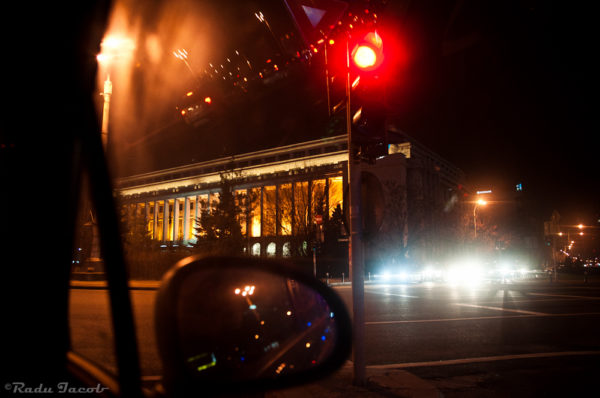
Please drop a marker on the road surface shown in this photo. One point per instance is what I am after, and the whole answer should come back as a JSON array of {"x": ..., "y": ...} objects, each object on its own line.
[{"x": 491, "y": 336}]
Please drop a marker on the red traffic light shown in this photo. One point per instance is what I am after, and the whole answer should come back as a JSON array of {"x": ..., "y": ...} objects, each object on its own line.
[
  {"x": 367, "y": 54},
  {"x": 364, "y": 57}
]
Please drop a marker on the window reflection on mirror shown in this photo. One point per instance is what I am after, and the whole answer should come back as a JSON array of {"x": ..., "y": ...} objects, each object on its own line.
[{"x": 250, "y": 324}]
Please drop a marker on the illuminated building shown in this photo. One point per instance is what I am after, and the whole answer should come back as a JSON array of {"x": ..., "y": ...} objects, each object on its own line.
[{"x": 289, "y": 186}]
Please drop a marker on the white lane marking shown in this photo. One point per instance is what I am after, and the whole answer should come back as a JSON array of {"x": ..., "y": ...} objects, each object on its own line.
[
  {"x": 499, "y": 309},
  {"x": 392, "y": 294},
  {"x": 478, "y": 318},
  {"x": 565, "y": 296},
  {"x": 446, "y": 319},
  {"x": 482, "y": 359},
  {"x": 500, "y": 301}
]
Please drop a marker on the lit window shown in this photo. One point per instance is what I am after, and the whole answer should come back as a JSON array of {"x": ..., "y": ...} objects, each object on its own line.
[
  {"x": 255, "y": 212},
  {"x": 269, "y": 211},
  {"x": 286, "y": 250},
  {"x": 285, "y": 209},
  {"x": 271, "y": 249},
  {"x": 301, "y": 224},
  {"x": 336, "y": 193},
  {"x": 256, "y": 249}
]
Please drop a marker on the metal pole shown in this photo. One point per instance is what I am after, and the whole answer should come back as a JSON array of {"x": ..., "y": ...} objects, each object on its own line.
[
  {"x": 355, "y": 255},
  {"x": 315, "y": 261},
  {"x": 105, "y": 110},
  {"x": 475, "y": 220},
  {"x": 327, "y": 80}
]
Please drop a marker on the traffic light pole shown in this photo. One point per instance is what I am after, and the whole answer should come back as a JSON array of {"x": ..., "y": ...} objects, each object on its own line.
[{"x": 355, "y": 245}]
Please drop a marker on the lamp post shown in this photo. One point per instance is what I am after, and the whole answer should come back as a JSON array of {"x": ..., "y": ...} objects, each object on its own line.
[
  {"x": 479, "y": 202},
  {"x": 107, "y": 93},
  {"x": 114, "y": 49},
  {"x": 569, "y": 241}
]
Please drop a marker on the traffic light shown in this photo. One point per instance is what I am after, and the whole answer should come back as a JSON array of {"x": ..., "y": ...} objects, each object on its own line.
[
  {"x": 367, "y": 53},
  {"x": 368, "y": 107}
]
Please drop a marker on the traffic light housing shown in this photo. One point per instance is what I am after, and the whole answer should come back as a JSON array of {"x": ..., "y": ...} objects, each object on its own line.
[
  {"x": 367, "y": 52},
  {"x": 368, "y": 106}
]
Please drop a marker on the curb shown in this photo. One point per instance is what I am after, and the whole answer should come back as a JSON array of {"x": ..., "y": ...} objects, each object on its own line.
[
  {"x": 133, "y": 285},
  {"x": 380, "y": 383}
]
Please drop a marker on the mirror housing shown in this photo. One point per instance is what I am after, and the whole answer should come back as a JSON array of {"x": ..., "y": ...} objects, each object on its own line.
[{"x": 242, "y": 324}]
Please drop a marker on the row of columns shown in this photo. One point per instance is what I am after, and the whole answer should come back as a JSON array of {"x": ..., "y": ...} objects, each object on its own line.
[{"x": 188, "y": 218}]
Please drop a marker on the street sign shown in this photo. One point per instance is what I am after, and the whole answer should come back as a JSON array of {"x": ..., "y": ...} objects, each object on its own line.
[{"x": 314, "y": 18}]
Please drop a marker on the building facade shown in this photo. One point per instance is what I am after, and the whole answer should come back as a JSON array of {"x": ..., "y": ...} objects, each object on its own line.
[{"x": 290, "y": 187}]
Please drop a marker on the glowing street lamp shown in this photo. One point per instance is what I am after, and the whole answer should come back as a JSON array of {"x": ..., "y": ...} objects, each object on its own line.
[
  {"x": 569, "y": 228},
  {"x": 114, "y": 49},
  {"x": 480, "y": 202}
]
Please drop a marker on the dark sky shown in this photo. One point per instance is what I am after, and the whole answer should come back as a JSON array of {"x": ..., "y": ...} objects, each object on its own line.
[{"x": 506, "y": 90}]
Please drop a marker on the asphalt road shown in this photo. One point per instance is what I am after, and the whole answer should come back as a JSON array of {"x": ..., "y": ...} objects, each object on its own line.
[{"x": 483, "y": 340}]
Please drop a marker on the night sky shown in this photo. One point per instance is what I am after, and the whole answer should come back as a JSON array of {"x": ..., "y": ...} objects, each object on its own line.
[{"x": 506, "y": 90}]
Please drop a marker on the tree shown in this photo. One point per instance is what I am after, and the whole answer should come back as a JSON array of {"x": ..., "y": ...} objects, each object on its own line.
[
  {"x": 218, "y": 230},
  {"x": 134, "y": 230},
  {"x": 390, "y": 244}
]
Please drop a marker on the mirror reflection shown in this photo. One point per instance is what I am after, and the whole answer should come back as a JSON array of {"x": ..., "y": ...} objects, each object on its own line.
[{"x": 247, "y": 324}]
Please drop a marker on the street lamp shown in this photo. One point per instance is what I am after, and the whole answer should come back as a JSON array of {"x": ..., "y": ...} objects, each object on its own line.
[
  {"x": 114, "y": 49},
  {"x": 569, "y": 228},
  {"x": 479, "y": 202}
]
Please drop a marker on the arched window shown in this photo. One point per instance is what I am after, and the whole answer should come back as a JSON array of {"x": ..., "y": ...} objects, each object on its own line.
[
  {"x": 287, "y": 249},
  {"x": 256, "y": 249},
  {"x": 271, "y": 249}
]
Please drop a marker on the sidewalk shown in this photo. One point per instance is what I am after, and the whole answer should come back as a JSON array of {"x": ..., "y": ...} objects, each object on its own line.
[{"x": 380, "y": 383}]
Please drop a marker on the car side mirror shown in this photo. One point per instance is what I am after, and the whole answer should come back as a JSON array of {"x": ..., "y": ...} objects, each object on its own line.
[{"x": 227, "y": 325}]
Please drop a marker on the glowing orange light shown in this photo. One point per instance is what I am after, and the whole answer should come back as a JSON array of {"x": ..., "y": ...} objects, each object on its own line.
[
  {"x": 315, "y": 50},
  {"x": 331, "y": 42},
  {"x": 208, "y": 100},
  {"x": 183, "y": 112},
  {"x": 364, "y": 57},
  {"x": 189, "y": 93}
]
